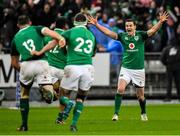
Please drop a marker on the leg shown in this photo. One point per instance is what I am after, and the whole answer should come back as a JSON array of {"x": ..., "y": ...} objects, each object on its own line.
[
  {"x": 142, "y": 102},
  {"x": 48, "y": 93},
  {"x": 118, "y": 98},
  {"x": 56, "y": 88},
  {"x": 24, "y": 106},
  {"x": 81, "y": 96},
  {"x": 65, "y": 106},
  {"x": 177, "y": 82},
  {"x": 169, "y": 85}
]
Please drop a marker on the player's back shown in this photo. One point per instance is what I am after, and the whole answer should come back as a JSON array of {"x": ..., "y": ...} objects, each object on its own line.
[
  {"x": 81, "y": 44},
  {"x": 57, "y": 56},
  {"x": 28, "y": 39}
]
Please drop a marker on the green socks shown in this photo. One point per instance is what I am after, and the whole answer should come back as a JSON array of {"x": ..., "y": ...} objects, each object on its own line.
[
  {"x": 142, "y": 104},
  {"x": 64, "y": 100},
  {"x": 68, "y": 106},
  {"x": 118, "y": 99},
  {"x": 76, "y": 112},
  {"x": 24, "y": 107}
]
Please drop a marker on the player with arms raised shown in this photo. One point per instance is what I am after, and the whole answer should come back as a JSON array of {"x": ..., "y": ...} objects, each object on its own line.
[{"x": 132, "y": 69}]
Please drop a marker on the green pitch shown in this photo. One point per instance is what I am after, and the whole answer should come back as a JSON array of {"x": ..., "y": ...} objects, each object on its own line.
[{"x": 163, "y": 120}]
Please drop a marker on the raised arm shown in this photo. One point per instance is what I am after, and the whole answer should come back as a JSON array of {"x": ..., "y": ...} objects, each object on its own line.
[
  {"x": 46, "y": 48},
  {"x": 106, "y": 31},
  {"x": 163, "y": 17}
]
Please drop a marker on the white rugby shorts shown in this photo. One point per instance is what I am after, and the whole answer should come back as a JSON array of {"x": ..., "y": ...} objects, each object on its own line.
[
  {"x": 78, "y": 77},
  {"x": 56, "y": 73},
  {"x": 35, "y": 70},
  {"x": 136, "y": 76}
]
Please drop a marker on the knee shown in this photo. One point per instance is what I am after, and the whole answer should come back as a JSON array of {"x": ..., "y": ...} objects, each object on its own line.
[
  {"x": 81, "y": 95},
  {"x": 56, "y": 86},
  {"x": 120, "y": 90},
  {"x": 25, "y": 89}
]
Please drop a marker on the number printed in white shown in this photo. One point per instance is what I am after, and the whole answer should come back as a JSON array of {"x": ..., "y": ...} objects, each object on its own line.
[
  {"x": 79, "y": 47},
  {"x": 90, "y": 45},
  {"x": 55, "y": 50},
  {"x": 29, "y": 45}
]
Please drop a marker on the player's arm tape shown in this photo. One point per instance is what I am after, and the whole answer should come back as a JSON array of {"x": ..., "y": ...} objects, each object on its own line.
[{"x": 61, "y": 38}]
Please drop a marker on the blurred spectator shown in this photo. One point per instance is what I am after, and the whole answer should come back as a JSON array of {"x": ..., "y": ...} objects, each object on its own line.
[
  {"x": 44, "y": 12},
  {"x": 8, "y": 29},
  {"x": 168, "y": 32},
  {"x": 171, "y": 59},
  {"x": 44, "y": 16},
  {"x": 101, "y": 39},
  {"x": 53, "y": 8},
  {"x": 153, "y": 43}
]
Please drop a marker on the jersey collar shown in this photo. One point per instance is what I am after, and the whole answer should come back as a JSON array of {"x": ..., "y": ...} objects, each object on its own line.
[
  {"x": 24, "y": 28},
  {"x": 81, "y": 26}
]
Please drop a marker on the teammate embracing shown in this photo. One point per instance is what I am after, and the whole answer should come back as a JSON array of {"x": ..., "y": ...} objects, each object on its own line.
[{"x": 31, "y": 68}]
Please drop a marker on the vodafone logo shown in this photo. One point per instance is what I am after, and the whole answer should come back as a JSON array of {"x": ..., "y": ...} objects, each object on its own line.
[{"x": 131, "y": 45}]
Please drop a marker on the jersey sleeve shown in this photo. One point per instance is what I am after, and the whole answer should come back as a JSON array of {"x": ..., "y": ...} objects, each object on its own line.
[
  {"x": 39, "y": 29},
  {"x": 46, "y": 39},
  {"x": 14, "y": 51},
  {"x": 66, "y": 34}
]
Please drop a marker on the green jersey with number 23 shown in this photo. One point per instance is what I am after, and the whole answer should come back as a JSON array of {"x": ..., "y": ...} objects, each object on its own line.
[{"x": 81, "y": 45}]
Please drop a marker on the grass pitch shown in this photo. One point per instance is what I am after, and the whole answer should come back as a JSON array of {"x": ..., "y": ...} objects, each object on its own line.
[{"x": 163, "y": 120}]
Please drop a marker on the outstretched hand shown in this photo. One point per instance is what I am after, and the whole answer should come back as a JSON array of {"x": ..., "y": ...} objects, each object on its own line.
[
  {"x": 163, "y": 16},
  {"x": 92, "y": 20}
]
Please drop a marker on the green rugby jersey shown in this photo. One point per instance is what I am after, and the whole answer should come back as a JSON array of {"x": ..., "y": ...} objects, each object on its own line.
[
  {"x": 133, "y": 56},
  {"x": 81, "y": 45},
  {"x": 57, "y": 56},
  {"x": 28, "y": 39}
]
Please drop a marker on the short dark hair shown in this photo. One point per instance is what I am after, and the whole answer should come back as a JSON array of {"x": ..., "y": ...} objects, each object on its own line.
[
  {"x": 80, "y": 19},
  {"x": 23, "y": 20},
  {"x": 130, "y": 20},
  {"x": 61, "y": 22}
]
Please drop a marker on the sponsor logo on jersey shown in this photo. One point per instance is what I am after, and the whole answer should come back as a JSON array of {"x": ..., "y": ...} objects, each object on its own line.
[
  {"x": 126, "y": 38},
  {"x": 173, "y": 52},
  {"x": 131, "y": 45}
]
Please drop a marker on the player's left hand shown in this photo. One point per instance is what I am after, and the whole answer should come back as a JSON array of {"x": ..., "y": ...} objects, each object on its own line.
[
  {"x": 163, "y": 16},
  {"x": 92, "y": 20}
]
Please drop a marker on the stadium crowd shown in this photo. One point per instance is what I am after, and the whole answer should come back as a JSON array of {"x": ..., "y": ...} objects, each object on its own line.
[{"x": 111, "y": 14}]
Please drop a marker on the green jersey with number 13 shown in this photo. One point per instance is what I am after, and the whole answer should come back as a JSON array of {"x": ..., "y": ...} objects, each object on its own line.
[
  {"x": 28, "y": 39},
  {"x": 81, "y": 45}
]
